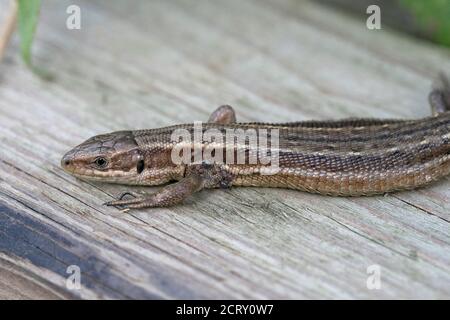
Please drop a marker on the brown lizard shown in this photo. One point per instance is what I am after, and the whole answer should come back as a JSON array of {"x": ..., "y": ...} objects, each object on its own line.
[{"x": 350, "y": 157}]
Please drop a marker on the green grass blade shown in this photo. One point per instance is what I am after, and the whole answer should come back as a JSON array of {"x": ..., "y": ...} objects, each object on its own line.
[
  {"x": 433, "y": 16},
  {"x": 28, "y": 18}
]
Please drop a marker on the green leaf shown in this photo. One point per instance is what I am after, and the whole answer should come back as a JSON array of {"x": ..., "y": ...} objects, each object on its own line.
[
  {"x": 28, "y": 18},
  {"x": 433, "y": 16}
]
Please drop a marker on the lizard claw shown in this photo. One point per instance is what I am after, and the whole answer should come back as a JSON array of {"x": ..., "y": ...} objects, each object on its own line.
[
  {"x": 127, "y": 193},
  {"x": 111, "y": 204},
  {"x": 122, "y": 207},
  {"x": 123, "y": 204}
]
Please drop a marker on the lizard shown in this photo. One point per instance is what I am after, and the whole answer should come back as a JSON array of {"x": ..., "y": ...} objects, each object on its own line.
[{"x": 347, "y": 157}]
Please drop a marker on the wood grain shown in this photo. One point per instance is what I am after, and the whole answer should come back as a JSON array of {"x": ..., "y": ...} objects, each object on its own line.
[{"x": 165, "y": 62}]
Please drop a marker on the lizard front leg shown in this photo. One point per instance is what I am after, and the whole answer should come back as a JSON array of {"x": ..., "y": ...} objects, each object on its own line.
[
  {"x": 169, "y": 195},
  {"x": 197, "y": 178}
]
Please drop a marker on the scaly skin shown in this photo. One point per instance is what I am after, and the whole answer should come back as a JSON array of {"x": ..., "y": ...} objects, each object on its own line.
[{"x": 351, "y": 157}]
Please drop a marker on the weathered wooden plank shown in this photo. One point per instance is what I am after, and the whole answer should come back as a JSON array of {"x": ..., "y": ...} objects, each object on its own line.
[{"x": 161, "y": 62}]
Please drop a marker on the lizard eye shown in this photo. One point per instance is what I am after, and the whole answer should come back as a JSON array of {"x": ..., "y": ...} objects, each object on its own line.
[
  {"x": 140, "y": 166},
  {"x": 101, "y": 162}
]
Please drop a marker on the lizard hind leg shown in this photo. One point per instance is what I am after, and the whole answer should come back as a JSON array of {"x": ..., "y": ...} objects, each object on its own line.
[
  {"x": 439, "y": 97},
  {"x": 223, "y": 115}
]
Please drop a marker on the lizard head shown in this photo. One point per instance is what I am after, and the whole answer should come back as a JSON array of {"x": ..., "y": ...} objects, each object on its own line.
[{"x": 113, "y": 157}]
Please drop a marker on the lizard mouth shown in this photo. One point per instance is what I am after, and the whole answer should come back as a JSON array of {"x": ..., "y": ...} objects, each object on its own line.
[
  {"x": 110, "y": 176},
  {"x": 107, "y": 176}
]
